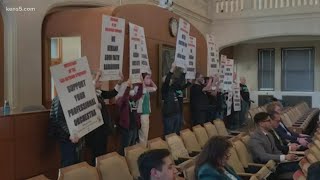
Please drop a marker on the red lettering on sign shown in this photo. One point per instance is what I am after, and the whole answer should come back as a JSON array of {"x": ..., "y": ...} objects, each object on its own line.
[{"x": 70, "y": 64}]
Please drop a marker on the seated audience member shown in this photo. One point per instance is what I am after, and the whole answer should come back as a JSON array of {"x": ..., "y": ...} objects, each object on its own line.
[
  {"x": 157, "y": 165},
  {"x": 129, "y": 121},
  {"x": 211, "y": 163},
  {"x": 263, "y": 148},
  {"x": 281, "y": 143},
  {"x": 284, "y": 132},
  {"x": 314, "y": 171},
  {"x": 70, "y": 147}
]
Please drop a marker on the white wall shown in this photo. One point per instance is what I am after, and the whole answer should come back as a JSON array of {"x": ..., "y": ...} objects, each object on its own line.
[
  {"x": 71, "y": 48},
  {"x": 246, "y": 56},
  {"x": 23, "y": 70}
]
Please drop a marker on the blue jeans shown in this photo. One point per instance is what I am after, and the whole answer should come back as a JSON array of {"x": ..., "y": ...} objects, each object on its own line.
[
  {"x": 69, "y": 153},
  {"x": 128, "y": 138},
  {"x": 171, "y": 124}
]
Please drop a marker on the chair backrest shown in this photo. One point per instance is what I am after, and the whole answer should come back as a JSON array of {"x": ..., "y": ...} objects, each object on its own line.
[
  {"x": 190, "y": 140},
  {"x": 245, "y": 139},
  {"x": 221, "y": 128},
  {"x": 211, "y": 129},
  {"x": 317, "y": 143},
  {"x": 253, "y": 178},
  {"x": 314, "y": 150},
  {"x": 235, "y": 162},
  {"x": 157, "y": 143},
  {"x": 176, "y": 146},
  {"x": 188, "y": 171},
  {"x": 112, "y": 166},
  {"x": 40, "y": 177},
  {"x": 243, "y": 153},
  {"x": 311, "y": 158},
  {"x": 201, "y": 134},
  {"x": 132, "y": 154},
  {"x": 80, "y": 171}
]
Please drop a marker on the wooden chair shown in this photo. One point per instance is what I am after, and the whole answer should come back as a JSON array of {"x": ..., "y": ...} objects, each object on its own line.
[
  {"x": 132, "y": 154},
  {"x": 80, "y": 171},
  {"x": 112, "y": 166}
]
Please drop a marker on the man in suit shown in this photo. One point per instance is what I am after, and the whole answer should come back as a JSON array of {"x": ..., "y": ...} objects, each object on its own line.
[
  {"x": 263, "y": 147},
  {"x": 284, "y": 132},
  {"x": 281, "y": 143}
]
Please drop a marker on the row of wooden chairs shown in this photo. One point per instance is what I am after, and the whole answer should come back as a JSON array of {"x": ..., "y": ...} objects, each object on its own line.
[
  {"x": 312, "y": 155},
  {"x": 300, "y": 117}
]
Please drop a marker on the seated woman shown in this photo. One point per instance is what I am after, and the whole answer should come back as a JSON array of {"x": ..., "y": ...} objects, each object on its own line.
[{"x": 211, "y": 163}]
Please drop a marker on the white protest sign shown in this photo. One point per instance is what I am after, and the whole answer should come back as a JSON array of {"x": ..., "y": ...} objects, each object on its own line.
[
  {"x": 228, "y": 75},
  {"x": 191, "y": 65},
  {"x": 135, "y": 53},
  {"x": 223, "y": 59},
  {"x": 112, "y": 42},
  {"x": 212, "y": 57},
  {"x": 77, "y": 95},
  {"x": 145, "y": 67},
  {"x": 181, "y": 54},
  {"x": 236, "y": 97},
  {"x": 229, "y": 103}
]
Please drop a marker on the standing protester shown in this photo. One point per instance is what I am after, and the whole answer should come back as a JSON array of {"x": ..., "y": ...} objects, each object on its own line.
[
  {"x": 129, "y": 121},
  {"x": 170, "y": 107},
  {"x": 144, "y": 107},
  {"x": 97, "y": 139},
  {"x": 180, "y": 86},
  {"x": 245, "y": 101},
  {"x": 199, "y": 102},
  {"x": 70, "y": 147}
]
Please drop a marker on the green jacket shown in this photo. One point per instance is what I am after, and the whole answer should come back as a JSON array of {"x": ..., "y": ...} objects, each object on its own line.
[{"x": 207, "y": 172}]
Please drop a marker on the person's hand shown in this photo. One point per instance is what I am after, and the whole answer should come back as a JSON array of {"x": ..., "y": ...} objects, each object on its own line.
[
  {"x": 121, "y": 78},
  {"x": 189, "y": 81},
  {"x": 294, "y": 146},
  {"x": 304, "y": 135},
  {"x": 129, "y": 83},
  {"x": 173, "y": 67},
  {"x": 74, "y": 139},
  {"x": 303, "y": 141},
  {"x": 291, "y": 157},
  {"x": 98, "y": 75}
]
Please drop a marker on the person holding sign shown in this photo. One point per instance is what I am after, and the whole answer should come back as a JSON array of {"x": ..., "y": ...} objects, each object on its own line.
[
  {"x": 199, "y": 101},
  {"x": 144, "y": 107},
  {"x": 70, "y": 147},
  {"x": 129, "y": 121},
  {"x": 97, "y": 139},
  {"x": 170, "y": 109}
]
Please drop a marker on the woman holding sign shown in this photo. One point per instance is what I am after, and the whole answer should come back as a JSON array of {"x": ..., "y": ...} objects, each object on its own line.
[
  {"x": 97, "y": 139},
  {"x": 144, "y": 107}
]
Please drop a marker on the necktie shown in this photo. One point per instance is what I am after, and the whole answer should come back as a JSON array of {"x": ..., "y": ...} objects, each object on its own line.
[{"x": 275, "y": 133}]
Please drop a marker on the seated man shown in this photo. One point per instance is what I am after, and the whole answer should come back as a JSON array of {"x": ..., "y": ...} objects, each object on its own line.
[
  {"x": 281, "y": 143},
  {"x": 284, "y": 132},
  {"x": 263, "y": 148},
  {"x": 157, "y": 165}
]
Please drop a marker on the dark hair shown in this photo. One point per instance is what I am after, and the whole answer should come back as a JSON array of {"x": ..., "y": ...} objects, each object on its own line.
[
  {"x": 313, "y": 171},
  {"x": 273, "y": 114},
  {"x": 261, "y": 116},
  {"x": 144, "y": 75},
  {"x": 198, "y": 75},
  {"x": 151, "y": 159},
  {"x": 213, "y": 152}
]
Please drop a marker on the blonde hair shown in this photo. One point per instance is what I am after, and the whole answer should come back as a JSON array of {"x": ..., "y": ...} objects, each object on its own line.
[{"x": 272, "y": 106}]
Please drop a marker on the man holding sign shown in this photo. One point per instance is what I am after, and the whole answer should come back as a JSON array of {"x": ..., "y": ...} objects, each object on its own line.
[{"x": 97, "y": 139}]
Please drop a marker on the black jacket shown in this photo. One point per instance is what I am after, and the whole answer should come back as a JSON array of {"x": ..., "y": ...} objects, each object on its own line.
[
  {"x": 281, "y": 144},
  {"x": 170, "y": 105},
  {"x": 58, "y": 127}
]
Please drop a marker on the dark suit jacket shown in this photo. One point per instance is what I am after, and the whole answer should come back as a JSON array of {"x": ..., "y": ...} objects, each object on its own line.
[
  {"x": 283, "y": 134},
  {"x": 281, "y": 144},
  {"x": 263, "y": 149},
  {"x": 207, "y": 172}
]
